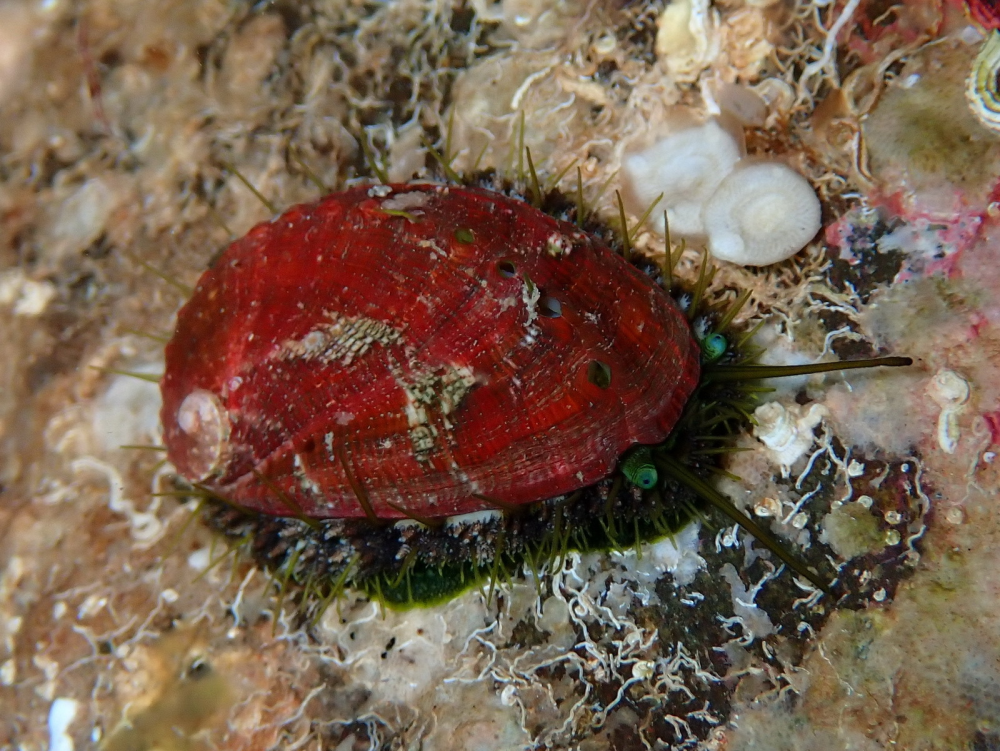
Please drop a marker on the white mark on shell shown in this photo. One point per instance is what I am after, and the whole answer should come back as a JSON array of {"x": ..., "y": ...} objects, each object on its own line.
[
  {"x": 530, "y": 295},
  {"x": 341, "y": 339},
  {"x": 405, "y": 201},
  {"x": 557, "y": 245}
]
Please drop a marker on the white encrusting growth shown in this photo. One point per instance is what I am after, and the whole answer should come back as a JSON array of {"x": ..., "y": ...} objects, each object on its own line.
[
  {"x": 755, "y": 622},
  {"x": 145, "y": 526},
  {"x": 128, "y": 412},
  {"x": 676, "y": 554},
  {"x": 61, "y": 715}
]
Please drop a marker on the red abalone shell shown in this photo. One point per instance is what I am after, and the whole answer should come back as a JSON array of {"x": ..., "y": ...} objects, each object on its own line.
[
  {"x": 985, "y": 13},
  {"x": 416, "y": 349}
]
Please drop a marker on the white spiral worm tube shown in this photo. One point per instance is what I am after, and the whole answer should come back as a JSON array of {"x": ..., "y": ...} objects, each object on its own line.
[
  {"x": 686, "y": 167},
  {"x": 981, "y": 88},
  {"x": 761, "y": 213}
]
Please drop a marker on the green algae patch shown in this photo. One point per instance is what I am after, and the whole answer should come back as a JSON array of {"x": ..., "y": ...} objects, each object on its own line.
[{"x": 852, "y": 530}]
